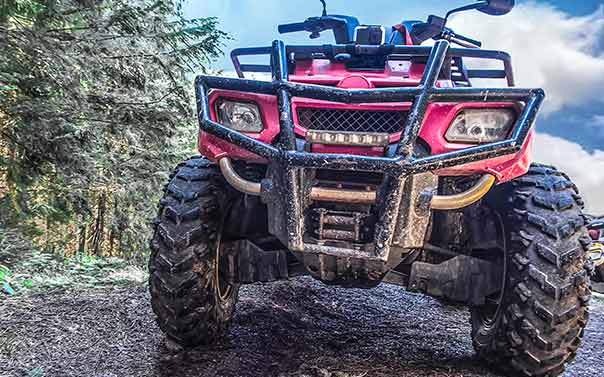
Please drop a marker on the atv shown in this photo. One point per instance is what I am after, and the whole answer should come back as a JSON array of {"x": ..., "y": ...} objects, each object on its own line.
[
  {"x": 374, "y": 160},
  {"x": 596, "y": 251}
]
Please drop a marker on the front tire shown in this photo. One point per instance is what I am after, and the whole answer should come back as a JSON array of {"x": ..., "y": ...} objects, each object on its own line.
[
  {"x": 539, "y": 321},
  {"x": 192, "y": 302}
]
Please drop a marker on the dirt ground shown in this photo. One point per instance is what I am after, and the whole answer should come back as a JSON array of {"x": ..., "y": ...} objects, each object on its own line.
[{"x": 298, "y": 328}]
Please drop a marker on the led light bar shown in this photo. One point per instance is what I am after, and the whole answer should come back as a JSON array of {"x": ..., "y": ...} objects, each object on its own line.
[{"x": 348, "y": 138}]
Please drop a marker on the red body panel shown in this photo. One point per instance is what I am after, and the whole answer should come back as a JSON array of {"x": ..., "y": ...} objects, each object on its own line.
[
  {"x": 438, "y": 118},
  {"x": 322, "y": 72}
]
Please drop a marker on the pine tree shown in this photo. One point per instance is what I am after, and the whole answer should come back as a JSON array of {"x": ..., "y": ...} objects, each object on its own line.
[{"x": 95, "y": 108}]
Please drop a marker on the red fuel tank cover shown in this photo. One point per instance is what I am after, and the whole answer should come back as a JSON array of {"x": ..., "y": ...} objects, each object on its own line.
[{"x": 356, "y": 82}]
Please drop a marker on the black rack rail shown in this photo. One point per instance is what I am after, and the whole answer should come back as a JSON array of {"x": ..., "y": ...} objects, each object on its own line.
[{"x": 392, "y": 52}]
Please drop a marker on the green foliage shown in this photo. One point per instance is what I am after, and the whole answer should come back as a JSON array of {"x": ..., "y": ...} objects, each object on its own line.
[
  {"x": 95, "y": 108},
  {"x": 35, "y": 270},
  {"x": 43, "y": 271},
  {"x": 36, "y": 372},
  {"x": 12, "y": 247},
  {"x": 5, "y": 286},
  {"x": 3, "y": 273}
]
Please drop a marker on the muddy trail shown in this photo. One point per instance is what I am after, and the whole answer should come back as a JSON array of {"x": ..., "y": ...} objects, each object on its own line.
[{"x": 297, "y": 328}]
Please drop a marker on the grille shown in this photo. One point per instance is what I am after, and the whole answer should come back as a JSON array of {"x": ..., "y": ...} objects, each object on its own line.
[{"x": 352, "y": 120}]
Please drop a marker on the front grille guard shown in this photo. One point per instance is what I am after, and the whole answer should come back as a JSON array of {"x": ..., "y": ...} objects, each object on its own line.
[
  {"x": 403, "y": 162},
  {"x": 397, "y": 166}
]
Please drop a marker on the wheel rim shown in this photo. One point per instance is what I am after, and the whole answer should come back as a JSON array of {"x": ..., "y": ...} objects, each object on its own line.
[
  {"x": 490, "y": 313},
  {"x": 223, "y": 293}
]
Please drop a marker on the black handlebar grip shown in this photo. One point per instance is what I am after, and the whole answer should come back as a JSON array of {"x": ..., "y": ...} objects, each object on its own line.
[
  {"x": 292, "y": 28},
  {"x": 469, "y": 40}
]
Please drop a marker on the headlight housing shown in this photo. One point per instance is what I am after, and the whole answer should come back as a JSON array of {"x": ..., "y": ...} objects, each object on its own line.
[
  {"x": 239, "y": 115},
  {"x": 478, "y": 126}
]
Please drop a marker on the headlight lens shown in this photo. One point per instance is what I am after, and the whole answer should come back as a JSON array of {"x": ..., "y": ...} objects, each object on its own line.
[
  {"x": 477, "y": 126},
  {"x": 239, "y": 116}
]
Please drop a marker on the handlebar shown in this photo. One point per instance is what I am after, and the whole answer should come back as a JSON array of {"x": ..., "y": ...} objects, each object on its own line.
[
  {"x": 292, "y": 28},
  {"x": 460, "y": 39},
  {"x": 342, "y": 26},
  {"x": 435, "y": 29}
]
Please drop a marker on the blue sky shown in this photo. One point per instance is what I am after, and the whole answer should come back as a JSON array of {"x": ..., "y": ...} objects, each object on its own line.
[
  {"x": 577, "y": 6},
  {"x": 254, "y": 22},
  {"x": 556, "y": 44}
]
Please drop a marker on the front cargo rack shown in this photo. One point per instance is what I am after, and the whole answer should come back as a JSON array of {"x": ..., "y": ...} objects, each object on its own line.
[{"x": 393, "y": 53}]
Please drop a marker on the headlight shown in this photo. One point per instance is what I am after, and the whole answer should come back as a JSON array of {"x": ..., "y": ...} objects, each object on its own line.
[
  {"x": 239, "y": 116},
  {"x": 477, "y": 126}
]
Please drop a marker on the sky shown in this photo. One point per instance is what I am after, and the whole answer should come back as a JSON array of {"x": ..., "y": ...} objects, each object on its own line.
[{"x": 555, "y": 44}]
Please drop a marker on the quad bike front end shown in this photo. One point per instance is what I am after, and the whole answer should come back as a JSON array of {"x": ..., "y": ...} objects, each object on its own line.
[{"x": 352, "y": 218}]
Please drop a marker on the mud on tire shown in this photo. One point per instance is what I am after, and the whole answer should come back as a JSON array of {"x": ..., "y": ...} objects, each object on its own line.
[
  {"x": 544, "y": 309},
  {"x": 192, "y": 306}
]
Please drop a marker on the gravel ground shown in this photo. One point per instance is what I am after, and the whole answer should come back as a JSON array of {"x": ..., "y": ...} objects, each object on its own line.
[{"x": 298, "y": 328}]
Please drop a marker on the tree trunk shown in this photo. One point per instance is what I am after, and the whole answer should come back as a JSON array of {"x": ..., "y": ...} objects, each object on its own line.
[{"x": 97, "y": 241}]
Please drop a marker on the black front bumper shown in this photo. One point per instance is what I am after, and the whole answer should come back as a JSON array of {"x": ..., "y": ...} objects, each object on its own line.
[{"x": 285, "y": 190}]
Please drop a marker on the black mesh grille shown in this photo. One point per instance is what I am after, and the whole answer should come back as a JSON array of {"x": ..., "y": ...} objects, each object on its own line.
[{"x": 352, "y": 120}]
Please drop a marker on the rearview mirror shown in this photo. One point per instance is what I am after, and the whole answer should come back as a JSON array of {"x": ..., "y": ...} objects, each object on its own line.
[
  {"x": 497, "y": 7},
  {"x": 492, "y": 7}
]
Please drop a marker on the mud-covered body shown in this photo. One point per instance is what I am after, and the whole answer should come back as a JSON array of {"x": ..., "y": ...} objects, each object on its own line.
[
  {"x": 397, "y": 73},
  {"x": 404, "y": 173}
]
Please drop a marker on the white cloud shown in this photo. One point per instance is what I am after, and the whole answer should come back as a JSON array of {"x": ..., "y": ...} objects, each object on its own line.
[
  {"x": 598, "y": 120},
  {"x": 550, "y": 49},
  {"x": 586, "y": 169},
  {"x": 595, "y": 126}
]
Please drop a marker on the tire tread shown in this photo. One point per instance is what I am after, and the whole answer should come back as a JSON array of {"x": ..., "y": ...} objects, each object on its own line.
[
  {"x": 548, "y": 289},
  {"x": 181, "y": 279}
]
